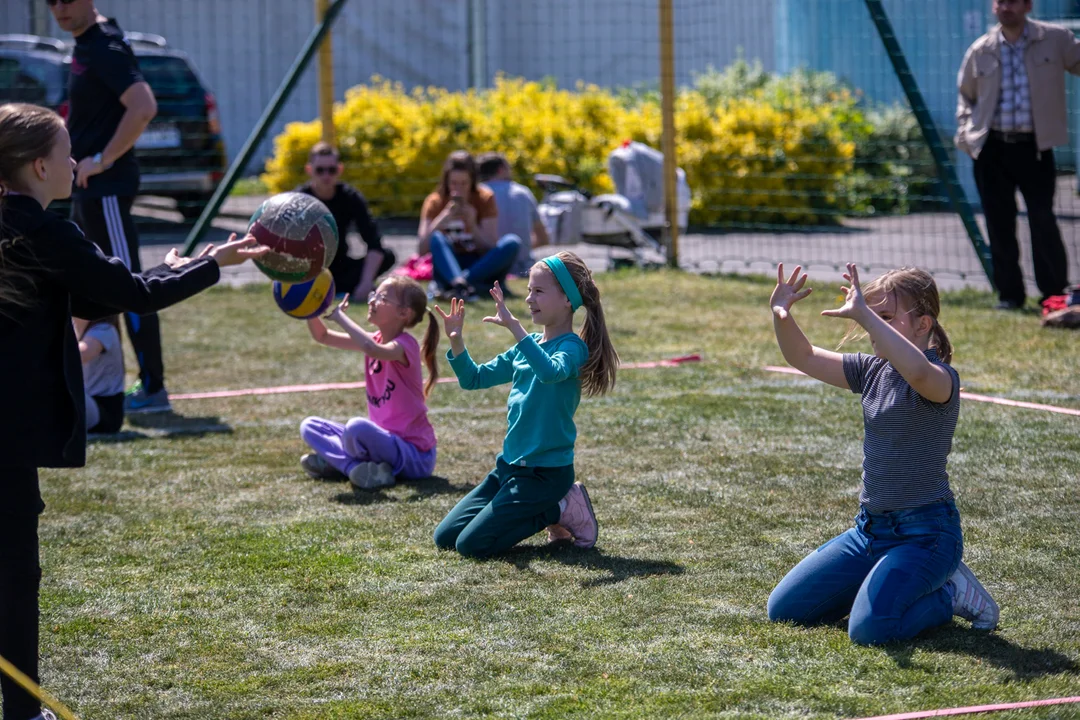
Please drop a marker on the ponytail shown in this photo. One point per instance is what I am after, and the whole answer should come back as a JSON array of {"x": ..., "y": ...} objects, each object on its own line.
[
  {"x": 598, "y": 372},
  {"x": 940, "y": 341},
  {"x": 415, "y": 299},
  {"x": 427, "y": 351}
]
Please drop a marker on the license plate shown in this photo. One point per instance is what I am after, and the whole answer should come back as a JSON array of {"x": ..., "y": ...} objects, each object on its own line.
[{"x": 159, "y": 136}]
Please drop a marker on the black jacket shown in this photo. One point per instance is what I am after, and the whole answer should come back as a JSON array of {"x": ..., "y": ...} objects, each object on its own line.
[{"x": 42, "y": 406}]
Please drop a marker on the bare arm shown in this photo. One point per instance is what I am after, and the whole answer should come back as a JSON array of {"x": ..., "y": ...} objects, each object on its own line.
[
  {"x": 89, "y": 349},
  {"x": 818, "y": 363},
  {"x": 365, "y": 341},
  {"x": 330, "y": 338},
  {"x": 140, "y": 107},
  {"x": 931, "y": 381}
]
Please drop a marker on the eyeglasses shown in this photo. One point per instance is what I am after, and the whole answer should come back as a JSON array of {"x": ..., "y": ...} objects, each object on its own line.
[
  {"x": 52, "y": 3},
  {"x": 380, "y": 297},
  {"x": 319, "y": 170}
]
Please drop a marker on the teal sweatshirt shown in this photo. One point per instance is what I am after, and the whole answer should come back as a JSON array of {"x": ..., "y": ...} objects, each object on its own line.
[{"x": 544, "y": 395}]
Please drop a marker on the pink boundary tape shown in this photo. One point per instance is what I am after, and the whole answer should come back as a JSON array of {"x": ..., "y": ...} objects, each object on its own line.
[
  {"x": 975, "y": 709},
  {"x": 323, "y": 387},
  {"x": 967, "y": 396}
]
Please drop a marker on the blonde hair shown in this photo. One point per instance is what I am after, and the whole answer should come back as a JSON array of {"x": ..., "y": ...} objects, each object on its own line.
[
  {"x": 415, "y": 298},
  {"x": 27, "y": 133},
  {"x": 598, "y": 373},
  {"x": 916, "y": 287}
]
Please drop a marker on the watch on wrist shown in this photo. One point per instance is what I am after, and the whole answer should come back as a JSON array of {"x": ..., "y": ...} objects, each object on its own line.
[{"x": 97, "y": 159}]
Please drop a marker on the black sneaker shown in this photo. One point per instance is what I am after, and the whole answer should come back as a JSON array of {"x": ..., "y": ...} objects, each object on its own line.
[{"x": 1009, "y": 305}]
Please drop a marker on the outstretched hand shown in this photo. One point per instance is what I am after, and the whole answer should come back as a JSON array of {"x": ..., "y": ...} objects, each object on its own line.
[
  {"x": 854, "y": 306},
  {"x": 339, "y": 309},
  {"x": 503, "y": 317},
  {"x": 455, "y": 321},
  {"x": 174, "y": 260},
  {"x": 788, "y": 292},
  {"x": 236, "y": 251}
]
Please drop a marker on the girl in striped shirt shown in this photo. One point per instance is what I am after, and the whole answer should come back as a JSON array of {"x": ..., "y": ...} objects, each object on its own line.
[{"x": 898, "y": 571}]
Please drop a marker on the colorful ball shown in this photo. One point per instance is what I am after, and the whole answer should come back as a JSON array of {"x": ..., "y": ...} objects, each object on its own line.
[
  {"x": 307, "y": 299},
  {"x": 301, "y": 234}
]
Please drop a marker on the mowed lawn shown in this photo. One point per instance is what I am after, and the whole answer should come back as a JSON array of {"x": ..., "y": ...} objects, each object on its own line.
[{"x": 192, "y": 571}]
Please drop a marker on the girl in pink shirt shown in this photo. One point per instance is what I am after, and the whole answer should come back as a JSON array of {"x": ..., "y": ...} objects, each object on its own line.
[{"x": 395, "y": 439}]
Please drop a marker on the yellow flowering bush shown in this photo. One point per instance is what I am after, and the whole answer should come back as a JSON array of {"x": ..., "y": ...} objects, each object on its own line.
[{"x": 747, "y": 159}]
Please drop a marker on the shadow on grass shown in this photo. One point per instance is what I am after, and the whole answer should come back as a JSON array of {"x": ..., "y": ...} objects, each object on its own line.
[
  {"x": 1024, "y": 663},
  {"x": 159, "y": 425},
  {"x": 418, "y": 489},
  {"x": 617, "y": 568}
]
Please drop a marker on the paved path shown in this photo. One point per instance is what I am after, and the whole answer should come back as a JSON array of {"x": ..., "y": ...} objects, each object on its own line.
[{"x": 934, "y": 240}]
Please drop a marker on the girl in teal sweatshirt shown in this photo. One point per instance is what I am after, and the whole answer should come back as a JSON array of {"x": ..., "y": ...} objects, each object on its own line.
[{"x": 532, "y": 485}]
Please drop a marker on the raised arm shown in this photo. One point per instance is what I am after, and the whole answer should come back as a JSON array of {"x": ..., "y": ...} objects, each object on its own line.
[
  {"x": 818, "y": 363},
  {"x": 932, "y": 381},
  {"x": 365, "y": 341},
  {"x": 330, "y": 338},
  {"x": 470, "y": 375}
]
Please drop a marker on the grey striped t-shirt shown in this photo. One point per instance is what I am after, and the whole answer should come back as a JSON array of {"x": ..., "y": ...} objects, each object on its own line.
[{"x": 908, "y": 438}]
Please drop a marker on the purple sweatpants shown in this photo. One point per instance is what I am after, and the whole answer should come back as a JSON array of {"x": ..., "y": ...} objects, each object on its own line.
[{"x": 360, "y": 440}]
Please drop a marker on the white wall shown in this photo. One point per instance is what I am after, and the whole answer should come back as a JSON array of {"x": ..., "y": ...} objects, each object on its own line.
[{"x": 243, "y": 48}]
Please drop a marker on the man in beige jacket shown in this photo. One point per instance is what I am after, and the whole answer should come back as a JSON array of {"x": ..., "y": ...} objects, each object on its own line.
[{"x": 1010, "y": 116}]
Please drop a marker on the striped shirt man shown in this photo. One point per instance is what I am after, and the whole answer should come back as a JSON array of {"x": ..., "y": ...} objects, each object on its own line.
[
  {"x": 1013, "y": 113},
  {"x": 908, "y": 438}
]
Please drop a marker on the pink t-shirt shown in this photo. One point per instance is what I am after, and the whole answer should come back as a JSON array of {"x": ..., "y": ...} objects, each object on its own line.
[{"x": 396, "y": 395}]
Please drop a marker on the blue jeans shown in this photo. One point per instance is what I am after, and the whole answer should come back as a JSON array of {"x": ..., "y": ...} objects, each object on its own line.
[
  {"x": 480, "y": 271},
  {"x": 888, "y": 573}
]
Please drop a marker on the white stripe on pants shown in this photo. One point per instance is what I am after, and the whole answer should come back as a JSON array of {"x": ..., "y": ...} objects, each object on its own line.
[{"x": 115, "y": 225}]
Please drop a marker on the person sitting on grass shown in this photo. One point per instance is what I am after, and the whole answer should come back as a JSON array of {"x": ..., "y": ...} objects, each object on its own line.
[
  {"x": 518, "y": 214},
  {"x": 459, "y": 227},
  {"x": 396, "y": 438},
  {"x": 532, "y": 486},
  {"x": 899, "y": 570},
  {"x": 355, "y": 276},
  {"x": 103, "y": 373}
]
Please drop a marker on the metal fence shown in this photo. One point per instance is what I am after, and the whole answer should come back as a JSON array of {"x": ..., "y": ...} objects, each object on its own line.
[{"x": 791, "y": 122}]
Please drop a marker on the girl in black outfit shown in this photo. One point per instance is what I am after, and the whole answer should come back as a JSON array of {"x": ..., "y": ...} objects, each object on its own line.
[{"x": 49, "y": 271}]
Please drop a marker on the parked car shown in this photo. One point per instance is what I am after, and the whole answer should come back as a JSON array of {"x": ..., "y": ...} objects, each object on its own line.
[{"x": 181, "y": 153}]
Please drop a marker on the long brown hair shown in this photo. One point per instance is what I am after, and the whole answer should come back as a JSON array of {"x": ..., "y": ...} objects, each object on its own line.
[
  {"x": 457, "y": 160},
  {"x": 917, "y": 289},
  {"x": 598, "y": 373},
  {"x": 27, "y": 133},
  {"x": 415, "y": 298}
]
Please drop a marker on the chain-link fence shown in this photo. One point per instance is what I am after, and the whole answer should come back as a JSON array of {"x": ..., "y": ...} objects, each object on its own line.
[{"x": 792, "y": 127}]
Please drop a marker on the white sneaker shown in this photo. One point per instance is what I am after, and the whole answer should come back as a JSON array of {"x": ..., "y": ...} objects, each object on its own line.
[
  {"x": 372, "y": 476},
  {"x": 971, "y": 601}
]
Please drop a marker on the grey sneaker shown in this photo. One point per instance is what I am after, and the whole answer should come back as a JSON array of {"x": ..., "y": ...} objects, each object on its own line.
[
  {"x": 316, "y": 466},
  {"x": 372, "y": 476},
  {"x": 139, "y": 402},
  {"x": 971, "y": 600}
]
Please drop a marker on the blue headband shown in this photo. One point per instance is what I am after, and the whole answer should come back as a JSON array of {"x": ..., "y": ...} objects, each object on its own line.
[{"x": 565, "y": 281}]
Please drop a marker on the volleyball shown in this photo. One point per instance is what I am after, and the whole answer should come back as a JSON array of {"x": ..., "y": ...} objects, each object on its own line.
[
  {"x": 307, "y": 299},
  {"x": 301, "y": 234}
]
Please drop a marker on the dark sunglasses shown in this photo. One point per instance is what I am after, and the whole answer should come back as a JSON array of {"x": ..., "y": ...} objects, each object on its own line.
[
  {"x": 52, "y": 3},
  {"x": 324, "y": 170}
]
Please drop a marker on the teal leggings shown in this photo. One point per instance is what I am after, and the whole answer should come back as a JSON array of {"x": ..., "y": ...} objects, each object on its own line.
[{"x": 511, "y": 504}]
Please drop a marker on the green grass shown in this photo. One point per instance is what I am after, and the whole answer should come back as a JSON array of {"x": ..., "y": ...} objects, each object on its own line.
[{"x": 191, "y": 570}]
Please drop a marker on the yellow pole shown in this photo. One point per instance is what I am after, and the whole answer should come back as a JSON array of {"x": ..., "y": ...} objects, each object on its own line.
[
  {"x": 39, "y": 693},
  {"x": 667, "y": 90},
  {"x": 326, "y": 77}
]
